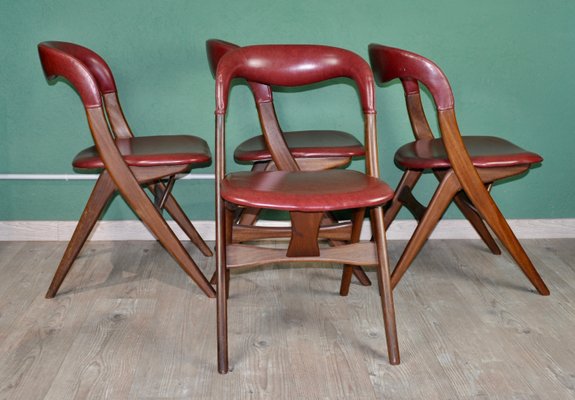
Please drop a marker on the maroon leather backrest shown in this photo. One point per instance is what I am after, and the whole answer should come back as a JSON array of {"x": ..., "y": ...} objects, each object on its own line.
[
  {"x": 390, "y": 63},
  {"x": 95, "y": 65},
  {"x": 216, "y": 49},
  {"x": 58, "y": 62},
  {"x": 293, "y": 65}
]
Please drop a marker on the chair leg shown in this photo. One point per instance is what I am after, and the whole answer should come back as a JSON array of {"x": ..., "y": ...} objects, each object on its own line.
[
  {"x": 385, "y": 289},
  {"x": 141, "y": 204},
  {"x": 222, "y": 318},
  {"x": 485, "y": 204},
  {"x": 355, "y": 270},
  {"x": 348, "y": 270},
  {"x": 184, "y": 222},
  {"x": 442, "y": 197},
  {"x": 408, "y": 180},
  {"x": 476, "y": 221},
  {"x": 101, "y": 194},
  {"x": 222, "y": 220}
]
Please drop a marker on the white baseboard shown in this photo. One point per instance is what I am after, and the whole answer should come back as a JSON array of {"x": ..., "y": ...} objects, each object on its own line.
[{"x": 399, "y": 230}]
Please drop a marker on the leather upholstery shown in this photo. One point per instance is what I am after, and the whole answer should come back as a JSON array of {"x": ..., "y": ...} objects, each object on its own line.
[
  {"x": 151, "y": 151},
  {"x": 485, "y": 152},
  {"x": 58, "y": 62},
  {"x": 263, "y": 65},
  {"x": 410, "y": 67},
  {"x": 306, "y": 191},
  {"x": 96, "y": 64},
  {"x": 216, "y": 49},
  {"x": 303, "y": 144}
]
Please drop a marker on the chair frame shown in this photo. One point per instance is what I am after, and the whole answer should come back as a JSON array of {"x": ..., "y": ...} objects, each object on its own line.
[
  {"x": 89, "y": 74},
  {"x": 468, "y": 186},
  {"x": 306, "y": 228},
  {"x": 282, "y": 157}
]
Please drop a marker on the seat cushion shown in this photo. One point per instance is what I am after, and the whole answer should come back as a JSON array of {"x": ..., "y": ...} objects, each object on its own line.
[
  {"x": 303, "y": 144},
  {"x": 310, "y": 191},
  {"x": 151, "y": 151},
  {"x": 485, "y": 152}
]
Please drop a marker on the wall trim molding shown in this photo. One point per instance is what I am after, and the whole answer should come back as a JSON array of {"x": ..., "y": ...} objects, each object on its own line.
[
  {"x": 400, "y": 230},
  {"x": 81, "y": 177}
]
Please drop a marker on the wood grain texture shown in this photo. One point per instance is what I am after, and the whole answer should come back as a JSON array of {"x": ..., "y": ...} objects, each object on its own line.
[{"x": 129, "y": 325}]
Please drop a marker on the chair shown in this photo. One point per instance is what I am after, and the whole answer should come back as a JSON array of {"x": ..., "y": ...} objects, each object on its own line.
[
  {"x": 312, "y": 150},
  {"x": 307, "y": 195},
  {"x": 466, "y": 166},
  {"x": 126, "y": 163}
]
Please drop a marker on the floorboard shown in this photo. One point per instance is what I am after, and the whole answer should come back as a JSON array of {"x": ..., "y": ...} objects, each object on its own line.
[{"x": 129, "y": 324}]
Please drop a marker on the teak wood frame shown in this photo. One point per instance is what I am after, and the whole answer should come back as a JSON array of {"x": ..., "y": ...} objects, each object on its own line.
[
  {"x": 306, "y": 226},
  {"x": 91, "y": 77},
  {"x": 468, "y": 186}
]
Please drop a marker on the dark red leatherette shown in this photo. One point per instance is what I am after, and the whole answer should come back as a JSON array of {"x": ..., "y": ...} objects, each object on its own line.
[
  {"x": 95, "y": 64},
  {"x": 298, "y": 65},
  {"x": 57, "y": 62},
  {"x": 151, "y": 151},
  {"x": 389, "y": 63},
  {"x": 303, "y": 144},
  {"x": 484, "y": 151},
  {"x": 216, "y": 49},
  {"x": 306, "y": 191}
]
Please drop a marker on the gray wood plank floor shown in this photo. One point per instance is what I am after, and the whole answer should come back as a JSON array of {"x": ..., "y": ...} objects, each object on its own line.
[{"x": 129, "y": 324}]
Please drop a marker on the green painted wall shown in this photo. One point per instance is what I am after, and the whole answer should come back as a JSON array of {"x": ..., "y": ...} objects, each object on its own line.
[{"x": 511, "y": 64}]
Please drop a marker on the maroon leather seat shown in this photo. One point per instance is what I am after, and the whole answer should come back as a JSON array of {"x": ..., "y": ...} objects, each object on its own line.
[
  {"x": 305, "y": 191},
  {"x": 302, "y": 144},
  {"x": 307, "y": 195},
  {"x": 150, "y": 151},
  {"x": 484, "y": 152},
  {"x": 466, "y": 166},
  {"x": 126, "y": 163}
]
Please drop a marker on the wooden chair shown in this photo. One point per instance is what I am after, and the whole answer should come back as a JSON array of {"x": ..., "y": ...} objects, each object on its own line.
[
  {"x": 126, "y": 163},
  {"x": 307, "y": 195},
  {"x": 312, "y": 150},
  {"x": 466, "y": 166}
]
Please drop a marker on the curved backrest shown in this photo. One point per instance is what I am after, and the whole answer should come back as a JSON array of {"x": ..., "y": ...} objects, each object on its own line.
[
  {"x": 59, "y": 59},
  {"x": 390, "y": 63},
  {"x": 293, "y": 65},
  {"x": 216, "y": 49},
  {"x": 92, "y": 61},
  {"x": 85, "y": 69}
]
